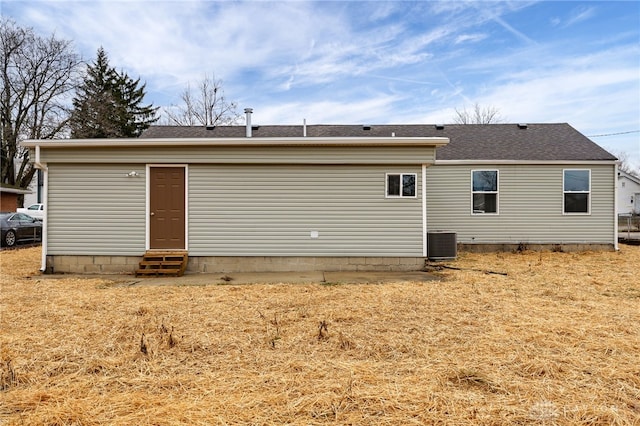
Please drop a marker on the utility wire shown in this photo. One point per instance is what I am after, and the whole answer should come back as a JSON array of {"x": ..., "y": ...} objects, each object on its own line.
[{"x": 614, "y": 134}]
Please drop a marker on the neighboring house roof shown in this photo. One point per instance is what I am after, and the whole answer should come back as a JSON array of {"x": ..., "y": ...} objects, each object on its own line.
[
  {"x": 531, "y": 142},
  {"x": 632, "y": 178},
  {"x": 14, "y": 190}
]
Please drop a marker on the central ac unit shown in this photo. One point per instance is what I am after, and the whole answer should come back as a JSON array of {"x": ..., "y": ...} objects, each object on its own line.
[{"x": 442, "y": 245}]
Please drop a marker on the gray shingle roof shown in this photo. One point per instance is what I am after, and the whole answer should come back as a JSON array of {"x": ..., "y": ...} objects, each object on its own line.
[{"x": 536, "y": 142}]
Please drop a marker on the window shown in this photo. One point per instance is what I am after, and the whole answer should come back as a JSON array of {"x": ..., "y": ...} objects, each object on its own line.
[
  {"x": 401, "y": 185},
  {"x": 484, "y": 189},
  {"x": 577, "y": 189}
]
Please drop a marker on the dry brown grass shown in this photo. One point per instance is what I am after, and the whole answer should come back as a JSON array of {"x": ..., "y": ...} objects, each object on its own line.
[{"x": 556, "y": 341}]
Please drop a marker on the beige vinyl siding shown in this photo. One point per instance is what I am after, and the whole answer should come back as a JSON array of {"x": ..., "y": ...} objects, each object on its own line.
[
  {"x": 95, "y": 209},
  {"x": 272, "y": 210},
  {"x": 244, "y": 155},
  {"x": 530, "y": 205}
]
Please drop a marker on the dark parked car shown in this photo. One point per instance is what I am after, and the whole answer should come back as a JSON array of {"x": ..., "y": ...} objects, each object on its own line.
[{"x": 19, "y": 227}]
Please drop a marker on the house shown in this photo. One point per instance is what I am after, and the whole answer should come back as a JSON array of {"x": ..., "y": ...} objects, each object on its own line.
[
  {"x": 9, "y": 197},
  {"x": 34, "y": 196},
  {"x": 321, "y": 197},
  {"x": 628, "y": 193}
]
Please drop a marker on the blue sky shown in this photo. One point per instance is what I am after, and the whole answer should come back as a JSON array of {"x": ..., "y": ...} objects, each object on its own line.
[{"x": 375, "y": 62}]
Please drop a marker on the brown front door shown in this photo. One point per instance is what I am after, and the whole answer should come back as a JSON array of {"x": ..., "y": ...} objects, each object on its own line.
[{"x": 166, "y": 208}]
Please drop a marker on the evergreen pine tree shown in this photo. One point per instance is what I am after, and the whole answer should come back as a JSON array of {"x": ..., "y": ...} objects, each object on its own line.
[
  {"x": 133, "y": 117},
  {"x": 108, "y": 104}
]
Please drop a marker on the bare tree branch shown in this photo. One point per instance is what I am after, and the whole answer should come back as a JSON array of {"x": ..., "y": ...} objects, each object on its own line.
[
  {"x": 479, "y": 115},
  {"x": 625, "y": 163},
  {"x": 38, "y": 76},
  {"x": 206, "y": 106}
]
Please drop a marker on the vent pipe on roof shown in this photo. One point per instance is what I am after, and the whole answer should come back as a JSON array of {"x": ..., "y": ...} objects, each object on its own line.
[
  {"x": 304, "y": 127},
  {"x": 248, "y": 112}
]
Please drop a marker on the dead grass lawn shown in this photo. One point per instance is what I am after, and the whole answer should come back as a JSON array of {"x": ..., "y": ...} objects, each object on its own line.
[{"x": 556, "y": 341}]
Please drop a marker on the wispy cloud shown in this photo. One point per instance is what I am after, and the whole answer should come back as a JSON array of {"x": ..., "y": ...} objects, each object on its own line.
[
  {"x": 577, "y": 15},
  {"x": 376, "y": 62},
  {"x": 512, "y": 30},
  {"x": 470, "y": 38},
  {"x": 329, "y": 112}
]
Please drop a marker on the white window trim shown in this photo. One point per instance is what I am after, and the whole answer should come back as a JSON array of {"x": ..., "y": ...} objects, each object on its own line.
[
  {"x": 386, "y": 185},
  {"x": 473, "y": 213},
  {"x": 588, "y": 212}
]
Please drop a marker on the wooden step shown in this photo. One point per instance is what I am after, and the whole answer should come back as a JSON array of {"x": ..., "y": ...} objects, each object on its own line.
[
  {"x": 158, "y": 272},
  {"x": 163, "y": 263}
]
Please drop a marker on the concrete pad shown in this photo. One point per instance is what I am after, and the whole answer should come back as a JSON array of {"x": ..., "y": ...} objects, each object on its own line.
[
  {"x": 242, "y": 278},
  {"x": 234, "y": 278},
  {"x": 310, "y": 277},
  {"x": 367, "y": 277}
]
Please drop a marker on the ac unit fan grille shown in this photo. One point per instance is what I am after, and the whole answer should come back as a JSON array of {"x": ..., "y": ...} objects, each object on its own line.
[{"x": 442, "y": 245}]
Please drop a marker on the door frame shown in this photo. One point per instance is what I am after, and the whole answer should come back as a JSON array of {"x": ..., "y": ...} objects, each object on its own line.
[{"x": 148, "y": 203}]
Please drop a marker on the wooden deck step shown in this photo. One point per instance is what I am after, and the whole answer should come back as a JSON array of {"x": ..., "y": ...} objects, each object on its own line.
[
  {"x": 163, "y": 263},
  {"x": 158, "y": 272}
]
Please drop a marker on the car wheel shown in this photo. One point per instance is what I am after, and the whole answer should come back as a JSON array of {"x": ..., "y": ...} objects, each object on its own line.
[{"x": 10, "y": 238}]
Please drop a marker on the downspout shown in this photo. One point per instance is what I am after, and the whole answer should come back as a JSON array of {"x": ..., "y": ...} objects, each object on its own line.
[
  {"x": 425, "y": 249},
  {"x": 615, "y": 207},
  {"x": 38, "y": 164},
  {"x": 45, "y": 195}
]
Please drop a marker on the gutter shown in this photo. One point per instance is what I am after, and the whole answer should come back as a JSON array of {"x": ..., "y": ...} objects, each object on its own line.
[
  {"x": 615, "y": 206},
  {"x": 521, "y": 162},
  {"x": 234, "y": 142}
]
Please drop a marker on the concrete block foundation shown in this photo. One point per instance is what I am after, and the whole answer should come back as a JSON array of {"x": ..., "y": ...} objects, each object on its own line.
[
  {"x": 215, "y": 264},
  {"x": 69, "y": 264},
  {"x": 105, "y": 264}
]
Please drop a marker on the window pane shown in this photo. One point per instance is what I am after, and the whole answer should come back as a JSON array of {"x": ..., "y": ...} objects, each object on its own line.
[
  {"x": 485, "y": 180},
  {"x": 408, "y": 185},
  {"x": 393, "y": 185},
  {"x": 576, "y": 203},
  {"x": 485, "y": 203},
  {"x": 576, "y": 180}
]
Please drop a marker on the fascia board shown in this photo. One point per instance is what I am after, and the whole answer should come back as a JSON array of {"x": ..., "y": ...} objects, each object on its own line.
[
  {"x": 235, "y": 142},
  {"x": 522, "y": 162},
  {"x": 15, "y": 191}
]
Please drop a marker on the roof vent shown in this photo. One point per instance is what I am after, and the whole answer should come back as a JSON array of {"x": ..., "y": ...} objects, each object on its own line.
[
  {"x": 522, "y": 126},
  {"x": 248, "y": 112},
  {"x": 210, "y": 127},
  {"x": 366, "y": 127},
  {"x": 439, "y": 126}
]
